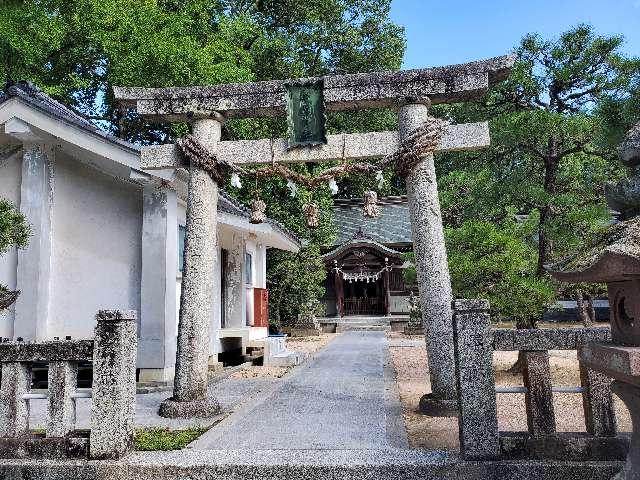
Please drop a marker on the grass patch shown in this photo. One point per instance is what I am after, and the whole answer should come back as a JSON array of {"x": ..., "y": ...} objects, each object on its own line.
[{"x": 153, "y": 439}]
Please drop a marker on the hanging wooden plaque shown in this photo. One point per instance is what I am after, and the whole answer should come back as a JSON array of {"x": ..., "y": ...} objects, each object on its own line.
[{"x": 305, "y": 114}]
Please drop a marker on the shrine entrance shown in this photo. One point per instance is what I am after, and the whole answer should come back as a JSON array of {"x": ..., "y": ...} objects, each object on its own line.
[
  {"x": 364, "y": 298},
  {"x": 408, "y": 150},
  {"x": 361, "y": 281}
]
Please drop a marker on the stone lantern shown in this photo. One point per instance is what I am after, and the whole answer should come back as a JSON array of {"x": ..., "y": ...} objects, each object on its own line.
[{"x": 616, "y": 261}]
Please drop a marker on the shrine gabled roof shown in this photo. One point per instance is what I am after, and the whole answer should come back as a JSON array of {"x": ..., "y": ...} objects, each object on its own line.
[
  {"x": 392, "y": 226},
  {"x": 615, "y": 257},
  {"x": 359, "y": 241}
]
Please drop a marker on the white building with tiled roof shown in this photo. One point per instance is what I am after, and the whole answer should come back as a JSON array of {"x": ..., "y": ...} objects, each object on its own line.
[{"x": 108, "y": 235}]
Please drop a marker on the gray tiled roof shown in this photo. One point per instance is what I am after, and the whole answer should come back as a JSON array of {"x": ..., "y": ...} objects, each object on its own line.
[
  {"x": 391, "y": 227},
  {"x": 35, "y": 97},
  {"x": 228, "y": 204}
]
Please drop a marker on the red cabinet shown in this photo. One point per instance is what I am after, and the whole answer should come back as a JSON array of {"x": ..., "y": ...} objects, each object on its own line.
[{"x": 260, "y": 307}]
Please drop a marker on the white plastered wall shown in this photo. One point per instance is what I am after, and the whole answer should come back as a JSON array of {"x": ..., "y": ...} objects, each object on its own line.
[
  {"x": 97, "y": 225},
  {"x": 10, "y": 179}
]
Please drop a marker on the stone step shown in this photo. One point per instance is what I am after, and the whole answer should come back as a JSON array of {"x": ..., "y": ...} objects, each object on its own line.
[
  {"x": 363, "y": 328},
  {"x": 364, "y": 321}
]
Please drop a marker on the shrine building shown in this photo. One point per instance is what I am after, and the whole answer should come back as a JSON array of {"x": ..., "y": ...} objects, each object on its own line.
[{"x": 365, "y": 264}]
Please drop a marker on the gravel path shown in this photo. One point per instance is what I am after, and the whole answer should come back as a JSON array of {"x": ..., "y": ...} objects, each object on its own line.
[
  {"x": 411, "y": 366},
  {"x": 343, "y": 398}
]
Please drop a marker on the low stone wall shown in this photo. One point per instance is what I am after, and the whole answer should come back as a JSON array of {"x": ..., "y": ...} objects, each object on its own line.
[
  {"x": 475, "y": 342},
  {"x": 308, "y": 465},
  {"x": 398, "y": 325},
  {"x": 113, "y": 352}
]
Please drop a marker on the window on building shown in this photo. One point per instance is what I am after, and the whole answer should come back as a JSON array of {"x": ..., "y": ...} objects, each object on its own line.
[
  {"x": 181, "y": 233},
  {"x": 248, "y": 268}
]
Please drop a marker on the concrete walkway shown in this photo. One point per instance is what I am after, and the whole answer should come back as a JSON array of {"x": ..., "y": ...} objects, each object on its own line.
[{"x": 343, "y": 398}]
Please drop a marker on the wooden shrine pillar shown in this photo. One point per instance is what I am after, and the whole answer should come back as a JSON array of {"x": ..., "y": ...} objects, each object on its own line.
[
  {"x": 387, "y": 293},
  {"x": 339, "y": 294}
]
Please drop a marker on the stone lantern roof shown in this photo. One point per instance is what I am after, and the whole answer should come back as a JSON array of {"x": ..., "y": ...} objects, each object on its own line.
[
  {"x": 630, "y": 148},
  {"x": 624, "y": 196},
  {"x": 615, "y": 258}
]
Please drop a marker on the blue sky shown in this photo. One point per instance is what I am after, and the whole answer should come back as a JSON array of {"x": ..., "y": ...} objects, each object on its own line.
[{"x": 457, "y": 31}]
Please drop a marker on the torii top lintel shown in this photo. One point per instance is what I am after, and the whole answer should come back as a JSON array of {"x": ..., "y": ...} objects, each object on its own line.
[{"x": 449, "y": 84}]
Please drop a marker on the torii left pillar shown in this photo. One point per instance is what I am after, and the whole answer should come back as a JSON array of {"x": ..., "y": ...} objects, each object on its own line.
[{"x": 190, "y": 392}]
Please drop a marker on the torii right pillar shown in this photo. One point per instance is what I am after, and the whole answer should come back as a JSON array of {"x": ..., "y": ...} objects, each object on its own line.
[{"x": 434, "y": 283}]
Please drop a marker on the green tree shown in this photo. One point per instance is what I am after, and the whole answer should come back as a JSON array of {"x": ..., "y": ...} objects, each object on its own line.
[
  {"x": 14, "y": 230},
  {"x": 495, "y": 261},
  {"x": 295, "y": 285},
  {"x": 618, "y": 114},
  {"x": 545, "y": 123},
  {"x": 547, "y": 160},
  {"x": 78, "y": 49}
]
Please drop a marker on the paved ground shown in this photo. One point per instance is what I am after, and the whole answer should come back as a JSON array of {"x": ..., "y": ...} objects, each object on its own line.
[
  {"x": 230, "y": 392},
  {"x": 343, "y": 398}
]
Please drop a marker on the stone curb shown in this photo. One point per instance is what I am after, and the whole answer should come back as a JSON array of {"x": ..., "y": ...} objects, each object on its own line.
[
  {"x": 224, "y": 374},
  {"x": 307, "y": 464}
]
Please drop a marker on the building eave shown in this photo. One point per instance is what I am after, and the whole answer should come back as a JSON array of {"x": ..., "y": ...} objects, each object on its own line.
[
  {"x": 118, "y": 158},
  {"x": 359, "y": 243}
]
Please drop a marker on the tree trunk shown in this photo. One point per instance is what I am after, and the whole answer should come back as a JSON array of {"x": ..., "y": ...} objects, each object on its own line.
[
  {"x": 545, "y": 247},
  {"x": 581, "y": 307},
  {"x": 591, "y": 310},
  {"x": 518, "y": 367}
]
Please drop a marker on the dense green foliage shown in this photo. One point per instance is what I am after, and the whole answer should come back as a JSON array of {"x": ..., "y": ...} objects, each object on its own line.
[
  {"x": 77, "y": 50},
  {"x": 548, "y": 162},
  {"x": 295, "y": 285},
  {"x": 496, "y": 261},
  {"x": 14, "y": 229},
  {"x": 164, "y": 439},
  {"x": 546, "y": 124}
]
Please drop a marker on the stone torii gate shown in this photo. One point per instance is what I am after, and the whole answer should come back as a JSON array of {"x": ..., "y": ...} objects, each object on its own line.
[{"x": 206, "y": 108}]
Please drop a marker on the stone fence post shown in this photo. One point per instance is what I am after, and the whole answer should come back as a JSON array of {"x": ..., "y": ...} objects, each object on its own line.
[
  {"x": 477, "y": 410},
  {"x": 14, "y": 409},
  {"x": 114, "y": 384},
  {"x": 63, "y": 380}
]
